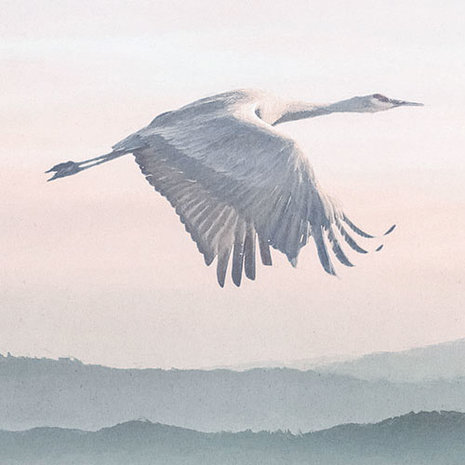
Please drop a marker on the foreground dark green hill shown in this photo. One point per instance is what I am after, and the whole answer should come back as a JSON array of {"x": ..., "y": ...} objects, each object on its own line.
[{"x": 426, "y": 438}]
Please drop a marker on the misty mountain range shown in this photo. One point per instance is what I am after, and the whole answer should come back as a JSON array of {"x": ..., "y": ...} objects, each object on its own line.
[
  {"x": 67, "y": 393},
  {"x": 425, "y": 438},
  {"x": 439, "y": 361}
]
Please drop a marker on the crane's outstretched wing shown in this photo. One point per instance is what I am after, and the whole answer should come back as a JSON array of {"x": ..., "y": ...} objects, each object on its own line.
[{"x": 233, "y": 179}]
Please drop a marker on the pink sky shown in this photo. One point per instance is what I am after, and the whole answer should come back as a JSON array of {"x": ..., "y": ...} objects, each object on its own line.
[{"x": 97, "y": 266}]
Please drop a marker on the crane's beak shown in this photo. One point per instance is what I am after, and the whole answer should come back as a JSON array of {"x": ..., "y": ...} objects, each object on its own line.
[{"x": 404, "y": 103}]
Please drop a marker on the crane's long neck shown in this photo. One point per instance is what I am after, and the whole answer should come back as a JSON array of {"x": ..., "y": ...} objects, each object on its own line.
[{"x": 301, "y": 110}]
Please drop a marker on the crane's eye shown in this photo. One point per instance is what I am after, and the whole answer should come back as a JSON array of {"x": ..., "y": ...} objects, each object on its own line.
[{"x": 381, "y": 98}]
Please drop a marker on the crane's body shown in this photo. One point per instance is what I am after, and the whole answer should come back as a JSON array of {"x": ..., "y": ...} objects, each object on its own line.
[{"x": 234, "y": 179}]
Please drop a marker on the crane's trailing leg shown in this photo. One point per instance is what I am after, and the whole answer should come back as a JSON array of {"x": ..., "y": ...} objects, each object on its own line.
[{"x": 68, "y": 168}]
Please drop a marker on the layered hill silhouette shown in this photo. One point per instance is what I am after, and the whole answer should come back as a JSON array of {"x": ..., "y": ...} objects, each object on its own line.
[
  {"x": 67, "y": 393},
  {"x": 439, "y": 361},
  {"x": 424, "y": 438}
]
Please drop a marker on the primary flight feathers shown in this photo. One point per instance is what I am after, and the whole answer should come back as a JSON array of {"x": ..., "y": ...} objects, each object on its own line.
[{"x": 237, "y": 184}]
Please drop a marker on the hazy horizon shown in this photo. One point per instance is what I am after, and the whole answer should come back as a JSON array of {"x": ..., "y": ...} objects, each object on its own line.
[
  {"x": 316, "y": 362},
  {"x": 98, "y": 266}
]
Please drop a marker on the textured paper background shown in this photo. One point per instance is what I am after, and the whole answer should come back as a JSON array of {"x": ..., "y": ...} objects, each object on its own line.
[{"x": 98, "y": 266}]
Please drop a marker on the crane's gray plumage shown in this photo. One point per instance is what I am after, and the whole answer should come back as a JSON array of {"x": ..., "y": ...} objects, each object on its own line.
[{"x": 234, "y": 180}]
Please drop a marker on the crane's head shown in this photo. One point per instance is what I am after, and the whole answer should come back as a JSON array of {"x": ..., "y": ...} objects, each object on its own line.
[{"x": 373, "y": 103}]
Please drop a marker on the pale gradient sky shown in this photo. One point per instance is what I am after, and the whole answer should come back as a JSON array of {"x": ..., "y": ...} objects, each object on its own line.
[{"x": 98, "y": 266}]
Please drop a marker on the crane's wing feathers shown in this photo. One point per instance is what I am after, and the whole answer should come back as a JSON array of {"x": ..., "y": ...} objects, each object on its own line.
[
  {"x": 216, "y": 227},
  {"x": 232, "y": 178}
]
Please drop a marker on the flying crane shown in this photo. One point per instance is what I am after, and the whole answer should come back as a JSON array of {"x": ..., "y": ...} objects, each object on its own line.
[{"x": 235, "y": 180}]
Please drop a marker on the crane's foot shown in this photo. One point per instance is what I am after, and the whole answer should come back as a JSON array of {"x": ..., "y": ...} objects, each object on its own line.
[{"x": 64, "y": 169}]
